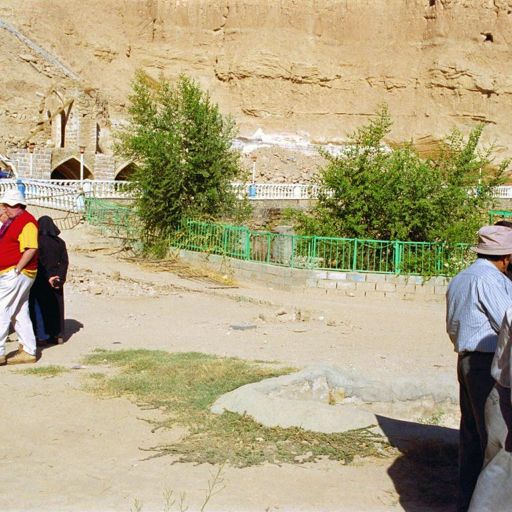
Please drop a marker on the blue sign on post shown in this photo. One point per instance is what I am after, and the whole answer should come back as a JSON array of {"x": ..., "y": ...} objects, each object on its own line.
[
  {"x": 21, "y": 186},
  {"x": 252, "y": 190}
]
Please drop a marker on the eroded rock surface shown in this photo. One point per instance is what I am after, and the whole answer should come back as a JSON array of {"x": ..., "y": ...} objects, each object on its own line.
[{"x": 314, "y": 67}]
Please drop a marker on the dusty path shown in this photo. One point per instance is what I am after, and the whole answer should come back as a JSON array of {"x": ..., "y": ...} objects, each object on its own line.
[{"x": 66, "y": 450}]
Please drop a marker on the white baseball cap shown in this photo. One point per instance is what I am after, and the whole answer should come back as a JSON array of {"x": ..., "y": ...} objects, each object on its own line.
[{"x": 12, "y": 197}]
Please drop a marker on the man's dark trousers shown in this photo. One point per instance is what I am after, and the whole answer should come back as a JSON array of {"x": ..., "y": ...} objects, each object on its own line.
[{"x": 475, "y": 383}]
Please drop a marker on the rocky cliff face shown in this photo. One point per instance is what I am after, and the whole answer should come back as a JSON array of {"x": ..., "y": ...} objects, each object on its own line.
[{"x": 313, "y": 67}]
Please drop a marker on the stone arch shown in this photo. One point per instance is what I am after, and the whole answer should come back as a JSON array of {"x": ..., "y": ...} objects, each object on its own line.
[
  {"x": 124, "y": 171},
  {"x": 69, "y": 169}
]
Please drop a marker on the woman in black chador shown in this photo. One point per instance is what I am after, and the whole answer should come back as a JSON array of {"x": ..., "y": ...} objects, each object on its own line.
[{"x": 47, "y": 293}]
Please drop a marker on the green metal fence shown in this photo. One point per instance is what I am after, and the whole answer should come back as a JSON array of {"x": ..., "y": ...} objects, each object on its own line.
[
  {"x": 495, "y": 215},
  {"x": 324, "y": 253},
  {"x": 119, "y": 220},
  {"x": 296, "y": 251}
]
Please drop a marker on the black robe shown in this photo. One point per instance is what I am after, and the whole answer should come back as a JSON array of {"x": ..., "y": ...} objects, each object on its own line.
[{"x": 53, "y": 261}]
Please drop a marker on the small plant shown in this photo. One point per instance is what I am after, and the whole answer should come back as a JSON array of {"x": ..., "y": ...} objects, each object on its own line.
[
  {"x": 434, "y": 419},
  {"x": 215, "y": 485}
]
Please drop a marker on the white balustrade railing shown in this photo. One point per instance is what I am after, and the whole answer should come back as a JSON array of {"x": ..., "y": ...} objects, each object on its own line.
[
  {"x": 102, "y": 189},
  {"x": 69, "y": 194},
  {"x": 276, "y": 191},
  {"x": 503, "y": 192}
]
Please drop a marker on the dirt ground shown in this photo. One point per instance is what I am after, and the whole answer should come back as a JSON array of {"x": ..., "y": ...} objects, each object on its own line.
[{"x": 66, "y": 450}]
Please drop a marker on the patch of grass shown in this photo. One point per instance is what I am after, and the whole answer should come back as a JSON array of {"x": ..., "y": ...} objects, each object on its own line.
[
  {"x": 185, "y": 385},
  {"x": 96, "y": 375},
  {"x": 434, "y": 419},
  {"x": 44, "y": 371}
]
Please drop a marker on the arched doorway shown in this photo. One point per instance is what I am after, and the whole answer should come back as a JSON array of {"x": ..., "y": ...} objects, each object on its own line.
[
  {"x": 124, "y": 172},
  {"x": 70, "y": 170}
]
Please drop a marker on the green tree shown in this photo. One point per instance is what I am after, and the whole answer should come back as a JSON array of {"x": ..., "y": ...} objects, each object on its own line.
[
  {"x": 181, "y": 145},
  {"x": 374, "y": 192}
]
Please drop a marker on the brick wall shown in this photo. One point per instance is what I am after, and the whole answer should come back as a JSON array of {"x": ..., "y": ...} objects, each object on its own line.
[
  {"x": 350, "y": 284},
  {"x": 104, "y": 167},
  {"x": 41, "y": 162}
]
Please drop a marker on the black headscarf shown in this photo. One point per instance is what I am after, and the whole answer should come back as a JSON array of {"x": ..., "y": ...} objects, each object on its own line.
[{"x": 47, "y": 227}]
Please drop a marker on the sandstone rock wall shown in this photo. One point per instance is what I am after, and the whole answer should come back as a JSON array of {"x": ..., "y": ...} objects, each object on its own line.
[{"x": 314, "y": 67}]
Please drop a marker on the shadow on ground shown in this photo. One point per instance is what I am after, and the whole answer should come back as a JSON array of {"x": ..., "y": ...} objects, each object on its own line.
[
  {"x": 425, "y": 474},
  {"x": 71, "y": 326}
]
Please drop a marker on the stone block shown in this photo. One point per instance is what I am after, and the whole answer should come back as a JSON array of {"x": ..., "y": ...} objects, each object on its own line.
[
  {"x": 358, "y": 278},
  {"x": 366, "y": 286},
  {"x": 320, "y": 274},
  {"x": 274, "y": 270},
  {"x": 376, "y": 278},
  {"x": 385, "y": 287},
  {"x": 311, "y": 283},
  {"x": 345, "y": 285},
  {"x": 416, "y": 280},
  {"x": 397, "y": 279},
  {"x": 327, "y": 285},
  {"x": 337, "y": 276},
  {"x": 439, "y": 281}
]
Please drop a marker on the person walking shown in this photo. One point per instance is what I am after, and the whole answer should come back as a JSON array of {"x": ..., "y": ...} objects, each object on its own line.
[
  {"x": 18, "y": 268},
  {"x": 476, "y": 302},
  {"x": 46, "y": 301}
]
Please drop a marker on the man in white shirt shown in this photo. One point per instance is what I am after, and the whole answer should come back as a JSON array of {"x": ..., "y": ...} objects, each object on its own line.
[{"x": 476, "y": 302}]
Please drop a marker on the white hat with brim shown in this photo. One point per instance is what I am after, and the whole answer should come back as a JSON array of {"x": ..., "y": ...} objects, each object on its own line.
[
  {"x": 494, "y": 241},
  {"x": 13, "y": 197}
]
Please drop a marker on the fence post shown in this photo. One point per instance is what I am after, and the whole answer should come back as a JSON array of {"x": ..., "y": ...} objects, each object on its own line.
[
  {"x": 354, "y": 256},
  {"x": 225, "y": 240},
  {"x": 398, "y": 256},
  {"x": 294, "y": 247},
  {"x": 247, "y": 249},
  {"x": 313, "y": 257}
]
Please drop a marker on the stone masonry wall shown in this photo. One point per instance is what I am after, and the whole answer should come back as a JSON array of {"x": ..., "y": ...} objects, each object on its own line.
[
  {"x": 350, "y": 284},
  {"x": 41, "y": 163},
  {"x": 104, "y": 166}
]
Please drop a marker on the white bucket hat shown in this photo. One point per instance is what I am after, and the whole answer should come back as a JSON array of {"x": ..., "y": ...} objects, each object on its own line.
[
  {"x": 12, "y": 197},
  {"x": 494, "y": 240}
]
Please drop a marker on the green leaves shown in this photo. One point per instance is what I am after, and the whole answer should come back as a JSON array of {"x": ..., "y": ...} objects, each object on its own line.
[
  {"x": 182, "y": 147},
  {"x": 374, "y": 192}
]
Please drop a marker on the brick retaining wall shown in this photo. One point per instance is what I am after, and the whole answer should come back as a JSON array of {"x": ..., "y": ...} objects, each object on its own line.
[{"x": 352, "y": 284}]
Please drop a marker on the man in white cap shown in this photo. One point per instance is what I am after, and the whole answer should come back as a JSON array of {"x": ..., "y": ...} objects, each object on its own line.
[
  {"x": 18, "y": 268},
  {"x": 476, "y": 302}
]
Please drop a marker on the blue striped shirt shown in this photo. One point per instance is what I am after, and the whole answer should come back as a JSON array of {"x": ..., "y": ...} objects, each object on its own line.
[{"x": 476, "y": 301}]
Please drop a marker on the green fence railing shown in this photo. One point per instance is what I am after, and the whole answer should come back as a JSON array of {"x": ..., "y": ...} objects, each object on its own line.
[
  {"x": 495, "y": 215},
  {"x": 324, "y": 253},
  {"x": 119, "y": 220},
  {"x": 296, "y": 251}
]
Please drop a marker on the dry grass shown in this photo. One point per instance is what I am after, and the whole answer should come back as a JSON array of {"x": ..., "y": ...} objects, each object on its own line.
[
  {"x": 185, "y": 385},
  {"x": 44, "y": 371},
  {"x": 186, "y": 271}
]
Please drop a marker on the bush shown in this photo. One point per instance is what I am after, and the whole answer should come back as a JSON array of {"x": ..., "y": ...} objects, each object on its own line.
[
  {"x": 371, "y": 191},
  {"x": 181, "y": 145}
]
